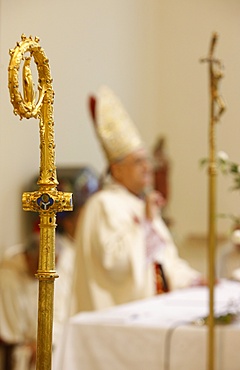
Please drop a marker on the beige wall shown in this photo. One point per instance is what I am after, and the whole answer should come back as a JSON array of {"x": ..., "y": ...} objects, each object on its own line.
[{"x": 148, "y": 52}]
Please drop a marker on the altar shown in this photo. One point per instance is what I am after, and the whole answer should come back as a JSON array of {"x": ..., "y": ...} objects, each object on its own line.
[{"x": 160, "y": 333}]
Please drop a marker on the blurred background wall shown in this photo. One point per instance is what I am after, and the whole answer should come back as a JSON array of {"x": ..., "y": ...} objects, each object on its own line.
[{"x": 148, "y": 52}]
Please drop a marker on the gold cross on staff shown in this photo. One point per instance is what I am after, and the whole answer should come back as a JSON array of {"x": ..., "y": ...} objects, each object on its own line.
[{"x": 47, "y": 200}]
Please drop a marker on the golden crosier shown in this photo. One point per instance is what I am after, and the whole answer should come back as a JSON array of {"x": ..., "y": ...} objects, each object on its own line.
[
  {"x": 47, "y": 200},
  {"x": 217, "y": 108}
]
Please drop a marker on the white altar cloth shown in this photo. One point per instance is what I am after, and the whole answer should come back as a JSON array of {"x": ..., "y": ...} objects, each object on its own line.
[{"x": 153, "y": 334}]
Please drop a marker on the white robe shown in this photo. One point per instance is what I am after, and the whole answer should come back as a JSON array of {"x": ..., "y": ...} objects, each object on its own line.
[
  {"x": 18, "y": 307},
  {"x": 63, "y": 286},
  {"x": 19, "y": 299},
  {"x": 111, "y": 264}
]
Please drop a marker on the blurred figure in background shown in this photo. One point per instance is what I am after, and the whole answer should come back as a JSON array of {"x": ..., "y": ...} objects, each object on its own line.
[
  {"x": 121, "y": 236},
  {"x": 18, "y": 286},
  {"x": 18, "y": 303}
]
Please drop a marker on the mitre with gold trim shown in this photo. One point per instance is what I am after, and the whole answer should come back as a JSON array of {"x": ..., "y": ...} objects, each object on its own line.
[{"x": 117, "y": 133}]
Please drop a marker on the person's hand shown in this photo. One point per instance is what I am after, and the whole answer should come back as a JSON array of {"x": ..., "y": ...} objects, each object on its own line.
[{"x": 154, "y": 202}]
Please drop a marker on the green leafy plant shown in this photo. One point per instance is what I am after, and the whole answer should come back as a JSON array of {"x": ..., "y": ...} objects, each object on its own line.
[
  {"x": 224, "y": 319},
  {"x": 226, "y": 167}
]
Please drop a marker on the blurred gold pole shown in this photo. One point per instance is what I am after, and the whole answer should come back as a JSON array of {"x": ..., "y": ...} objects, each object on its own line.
[
  {"x": 47, "y": 200},
  {"x": 211, "y": 216},
  {"x": 215, "y": 98}
]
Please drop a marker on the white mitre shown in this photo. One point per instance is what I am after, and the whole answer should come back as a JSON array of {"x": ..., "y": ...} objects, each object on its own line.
[{"x": 115, "y": 129}]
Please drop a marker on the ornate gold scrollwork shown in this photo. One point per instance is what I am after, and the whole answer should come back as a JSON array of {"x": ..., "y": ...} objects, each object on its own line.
[{"x": 26, "y": 106}]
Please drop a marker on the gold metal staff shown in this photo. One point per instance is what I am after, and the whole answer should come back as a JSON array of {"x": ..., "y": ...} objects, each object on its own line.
[
  {"x": 217, "y": 107},
  {"x": 47, "y": 200}
]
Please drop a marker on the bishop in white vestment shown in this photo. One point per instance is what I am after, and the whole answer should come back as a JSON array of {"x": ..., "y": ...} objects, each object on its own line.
[{"x": 121, "y": 233}]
